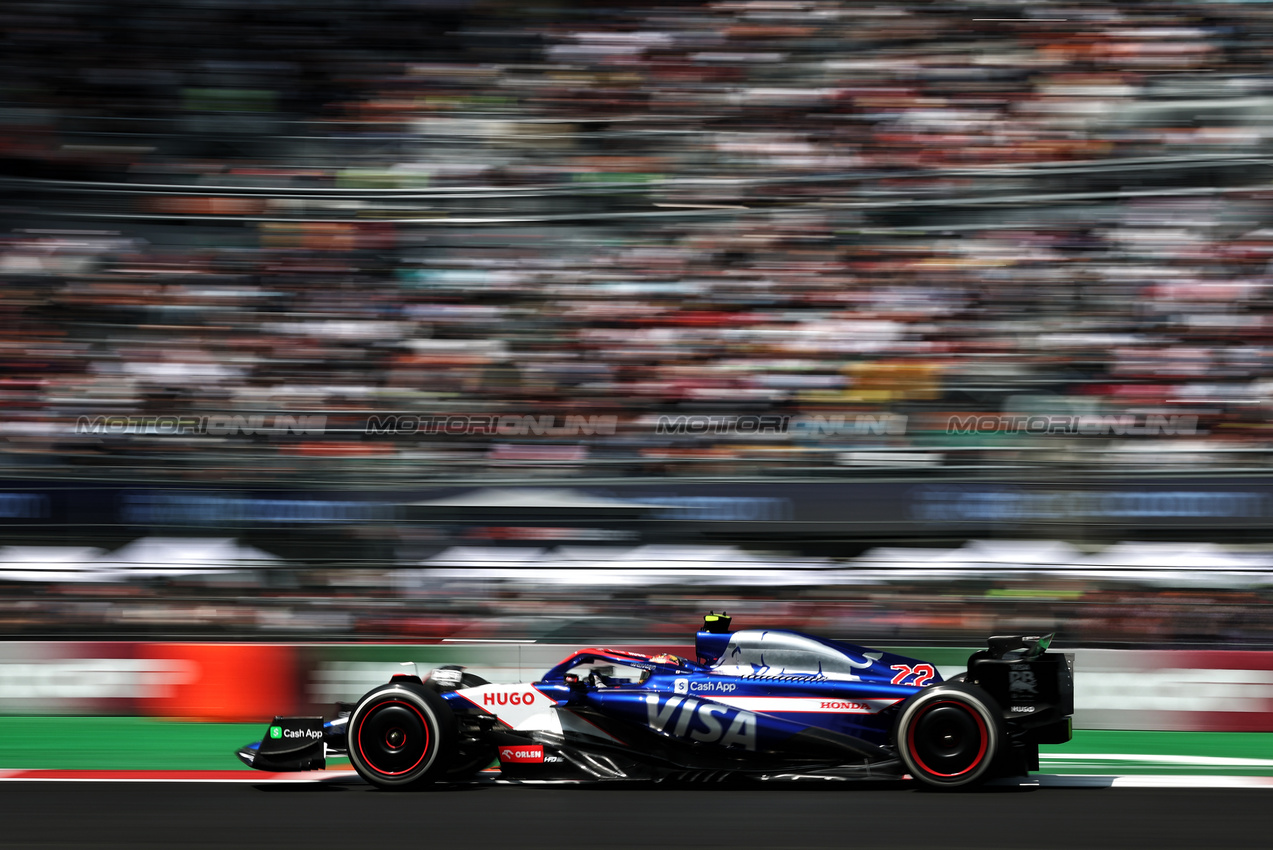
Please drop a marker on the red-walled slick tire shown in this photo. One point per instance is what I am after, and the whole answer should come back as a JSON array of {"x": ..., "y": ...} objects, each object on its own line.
[
  {"x": 949, "y": 735},
  {"x": 401, "y": 735}
]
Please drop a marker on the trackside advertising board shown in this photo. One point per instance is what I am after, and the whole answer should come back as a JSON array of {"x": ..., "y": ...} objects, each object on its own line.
[
  {"x": 193, "y": 681},
  {"x": 1198, "y": 691},
  {"x": 1190, "y": 691}
]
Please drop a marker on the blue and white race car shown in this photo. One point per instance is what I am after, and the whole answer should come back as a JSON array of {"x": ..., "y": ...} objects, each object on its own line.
[{"x": 763, "y": 703}]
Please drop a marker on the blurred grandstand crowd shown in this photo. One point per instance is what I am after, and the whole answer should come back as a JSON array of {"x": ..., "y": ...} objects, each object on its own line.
[
  {"x": 878, "y": 218},
  {"x": 398, "y": 602},
  {"x": 1166, "y": 595},
  {"x": 812, "y": 209}
]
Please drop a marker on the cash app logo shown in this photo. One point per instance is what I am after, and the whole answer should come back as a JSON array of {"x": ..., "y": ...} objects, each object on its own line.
[{"x": 276, "y": 731}]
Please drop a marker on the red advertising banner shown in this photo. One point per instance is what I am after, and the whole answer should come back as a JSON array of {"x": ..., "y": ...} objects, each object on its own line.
[{"x": 223, "y": 681}]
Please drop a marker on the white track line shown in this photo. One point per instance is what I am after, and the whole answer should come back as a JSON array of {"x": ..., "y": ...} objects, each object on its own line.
[
  {"x": 76, "y": 776},
  {"x": 152, "y": 781},
  {"x": 1095, "y": 781},
  {"x": 1145, "y": 758}
]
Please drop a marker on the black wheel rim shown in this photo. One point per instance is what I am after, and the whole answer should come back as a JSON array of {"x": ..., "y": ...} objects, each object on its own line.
[
  {"x": 948, "y": 739},
  {"x": 392, "y": 737}
]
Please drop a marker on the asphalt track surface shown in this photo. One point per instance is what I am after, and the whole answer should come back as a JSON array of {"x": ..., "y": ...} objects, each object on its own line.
[{"x": 349, "y": 814}]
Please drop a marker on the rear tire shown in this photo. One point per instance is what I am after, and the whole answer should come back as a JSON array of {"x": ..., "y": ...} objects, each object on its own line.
[
  {"x": 950, "y": 735},
  {"x": 401, "y": 735}
]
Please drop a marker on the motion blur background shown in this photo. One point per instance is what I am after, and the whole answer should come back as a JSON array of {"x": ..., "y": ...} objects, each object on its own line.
[{"x": 964, "y": 312}]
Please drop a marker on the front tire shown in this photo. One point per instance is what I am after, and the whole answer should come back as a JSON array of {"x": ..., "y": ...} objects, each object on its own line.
[
  {"x": 949, "y": 736},
  {"x": 401, "y": 735}
]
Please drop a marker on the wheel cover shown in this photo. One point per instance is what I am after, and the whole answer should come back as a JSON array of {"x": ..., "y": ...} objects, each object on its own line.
[
  {"x": 948, "y": 739},
  {"x": 392, "y": 737}
]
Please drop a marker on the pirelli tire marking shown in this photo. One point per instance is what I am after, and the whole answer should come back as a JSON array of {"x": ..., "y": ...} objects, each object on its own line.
[
  {"x": 396, "y": 736},
  {"x": 948, "y": 736}
]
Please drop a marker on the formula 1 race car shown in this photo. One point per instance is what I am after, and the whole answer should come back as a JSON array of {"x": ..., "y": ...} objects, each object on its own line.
[{"x": 763, "y": 703}]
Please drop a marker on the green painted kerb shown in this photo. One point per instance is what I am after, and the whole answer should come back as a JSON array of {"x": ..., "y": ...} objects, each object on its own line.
[
  {"x": 1161, "y": 753},
  {"x": 122, "y": 743}
]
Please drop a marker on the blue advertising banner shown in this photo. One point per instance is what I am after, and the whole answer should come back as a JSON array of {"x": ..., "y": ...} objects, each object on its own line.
[{"x": 918, "y": 506}]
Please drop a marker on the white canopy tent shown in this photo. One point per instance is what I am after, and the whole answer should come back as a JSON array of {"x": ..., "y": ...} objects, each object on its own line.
[
  {"x": 1192, "y": 556},
  {"x": 978, "y": 554},
  {"x": 1181, "y": 564},
  {"x": 602, "y": 566},
  {"x": 54, "y": 564},
  {"x": 178, "y": 557},
  {"x": 1166, "y": 564}
]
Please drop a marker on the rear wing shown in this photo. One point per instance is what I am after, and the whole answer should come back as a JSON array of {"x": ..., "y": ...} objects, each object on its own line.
[
  {"x": 1021, "y": 646},
  {"x": 1034, "y": 687}
]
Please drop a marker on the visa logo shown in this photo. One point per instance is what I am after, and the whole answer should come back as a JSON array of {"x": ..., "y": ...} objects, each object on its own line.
[{"x": 701, "y": 721}]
